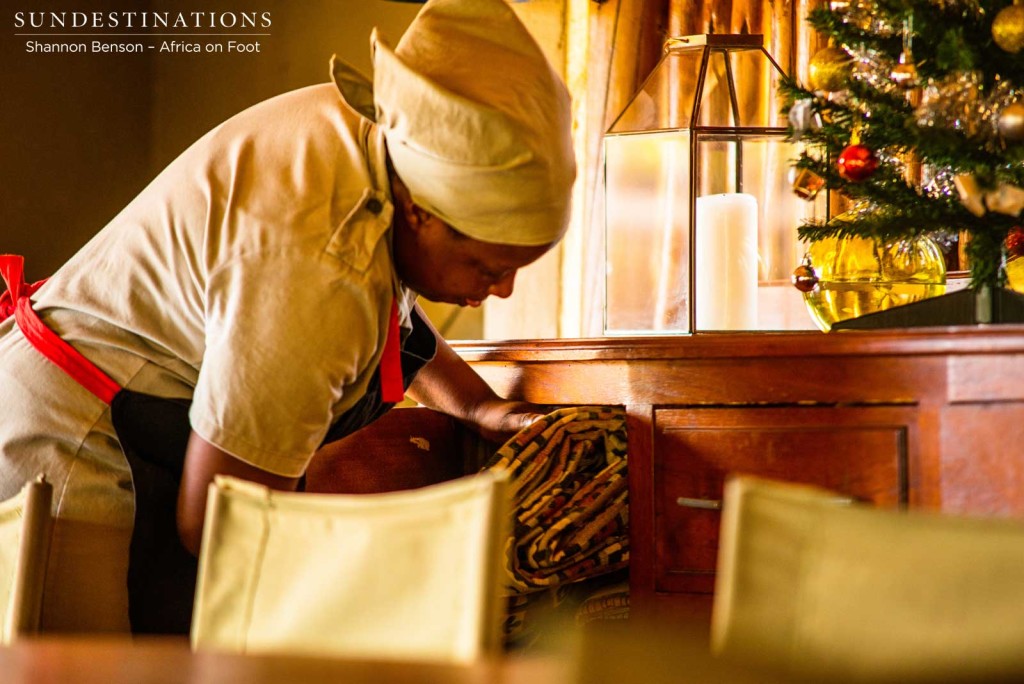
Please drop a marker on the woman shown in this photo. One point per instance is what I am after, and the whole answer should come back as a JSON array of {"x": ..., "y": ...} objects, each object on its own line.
[{"x": 236, "y": 315}]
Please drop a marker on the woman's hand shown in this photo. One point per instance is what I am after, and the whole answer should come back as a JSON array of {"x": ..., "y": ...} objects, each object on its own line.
[
  {"x": 448, "y": 384},
  {"x": 498, "y": 420}
]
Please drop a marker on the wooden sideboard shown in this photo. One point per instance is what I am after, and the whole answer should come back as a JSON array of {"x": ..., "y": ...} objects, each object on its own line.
[{"x": 929, "y": 418}]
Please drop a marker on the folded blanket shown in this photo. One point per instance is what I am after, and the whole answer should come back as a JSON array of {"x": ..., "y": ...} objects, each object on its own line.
[{"x": 569, "y": 498}]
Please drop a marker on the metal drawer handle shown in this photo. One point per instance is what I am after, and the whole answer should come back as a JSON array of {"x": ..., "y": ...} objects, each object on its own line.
[
  {"x": 716, "y": 505},
  {"x": 706, "y": 504}
]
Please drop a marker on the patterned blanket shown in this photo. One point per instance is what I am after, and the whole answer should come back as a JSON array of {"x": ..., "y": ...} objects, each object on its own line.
[{"x": 569, "y": 498}]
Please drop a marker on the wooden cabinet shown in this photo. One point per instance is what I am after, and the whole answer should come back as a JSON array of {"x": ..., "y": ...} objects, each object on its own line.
[
  {"x": 861, "y": 452},
  {"x": 930, "y": 418},
  {"x": 405, "y": 448}
]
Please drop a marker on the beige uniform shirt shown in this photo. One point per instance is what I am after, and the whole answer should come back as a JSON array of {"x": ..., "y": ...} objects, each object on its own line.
[{"x": 252, "y": 275}]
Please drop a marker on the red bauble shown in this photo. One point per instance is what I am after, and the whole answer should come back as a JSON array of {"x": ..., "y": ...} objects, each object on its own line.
[
  {"x": 1015, "y": 242},
  {"x": 857, "y": 163}
]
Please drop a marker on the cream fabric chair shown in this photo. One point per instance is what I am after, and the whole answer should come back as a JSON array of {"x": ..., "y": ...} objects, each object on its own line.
[
  {"x": 812, "y": 584},
  {"x": 25, "y": 525},
  {"x": 413, "y": 574}
]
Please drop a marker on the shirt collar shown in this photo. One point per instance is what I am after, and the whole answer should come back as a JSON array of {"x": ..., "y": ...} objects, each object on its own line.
[{"x": 375, "y": 150}]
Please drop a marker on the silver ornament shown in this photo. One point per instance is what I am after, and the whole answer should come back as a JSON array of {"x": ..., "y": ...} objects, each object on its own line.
[{"x": 803, "y": 118}]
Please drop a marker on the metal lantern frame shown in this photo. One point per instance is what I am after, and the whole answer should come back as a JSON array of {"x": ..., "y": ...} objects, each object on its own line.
[{"x": 700, "y": 89}]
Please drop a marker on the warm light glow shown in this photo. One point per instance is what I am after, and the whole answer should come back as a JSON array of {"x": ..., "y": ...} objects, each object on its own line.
[{"x": 577, "y": 41}]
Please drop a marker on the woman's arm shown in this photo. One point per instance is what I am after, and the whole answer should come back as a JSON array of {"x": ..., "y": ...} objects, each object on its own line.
[
  {"x": 202, "y": 461},
  {"x": 450, "y": 385},
  {"x": 447, "y": 384}
]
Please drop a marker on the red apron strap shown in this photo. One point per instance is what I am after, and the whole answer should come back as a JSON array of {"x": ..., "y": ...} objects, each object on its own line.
[
  {"x": 391, "y": 385},
  {"x": 11, "y": 270},
  {"x": 47, "y": 342}
]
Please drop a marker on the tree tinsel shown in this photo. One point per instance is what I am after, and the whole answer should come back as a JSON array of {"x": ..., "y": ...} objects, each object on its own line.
[{"x": 969, "y": 78}]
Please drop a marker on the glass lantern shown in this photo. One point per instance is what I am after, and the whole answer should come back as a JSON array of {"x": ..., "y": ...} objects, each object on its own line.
[{"x": 701, "y": 214}]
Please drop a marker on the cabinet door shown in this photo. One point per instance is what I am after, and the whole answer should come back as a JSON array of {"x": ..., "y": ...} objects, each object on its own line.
[{"x": 864, "y": 452}]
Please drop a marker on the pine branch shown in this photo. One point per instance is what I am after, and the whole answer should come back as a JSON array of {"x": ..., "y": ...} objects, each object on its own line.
[{"x": 951, "y": 44}]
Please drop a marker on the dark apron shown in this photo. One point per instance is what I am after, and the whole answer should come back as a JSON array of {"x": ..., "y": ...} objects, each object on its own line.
[{"x": 154, "y": 433}]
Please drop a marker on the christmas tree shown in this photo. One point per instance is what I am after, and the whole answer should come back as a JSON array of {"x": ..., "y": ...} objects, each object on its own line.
[{"x": 914, "y": 113}]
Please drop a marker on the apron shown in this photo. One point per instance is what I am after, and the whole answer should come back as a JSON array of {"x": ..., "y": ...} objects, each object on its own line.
[{"x": 153, "y": 433}]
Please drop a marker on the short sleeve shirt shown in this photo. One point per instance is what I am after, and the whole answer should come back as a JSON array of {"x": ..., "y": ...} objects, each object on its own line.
[{"x": 253, "y": 274}]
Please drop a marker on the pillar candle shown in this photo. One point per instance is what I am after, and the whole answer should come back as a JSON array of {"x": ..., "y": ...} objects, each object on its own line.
[{"x": 726, "y": 262}]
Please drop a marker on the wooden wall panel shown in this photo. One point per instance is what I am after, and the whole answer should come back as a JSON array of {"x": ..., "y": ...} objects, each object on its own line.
[{"x": 786, "y": 36}]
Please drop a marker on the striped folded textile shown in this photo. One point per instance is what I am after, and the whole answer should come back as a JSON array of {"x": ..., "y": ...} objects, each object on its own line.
[
  {"x": 608, "y": 603},
  {"x": 569, "y": 498},
  {"x": 536, "y": 621}
]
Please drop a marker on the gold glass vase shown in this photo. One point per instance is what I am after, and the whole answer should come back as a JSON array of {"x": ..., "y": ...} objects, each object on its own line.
[
  {"x": 1015, "y": 273},
  {"x": 858, "y": 276}
]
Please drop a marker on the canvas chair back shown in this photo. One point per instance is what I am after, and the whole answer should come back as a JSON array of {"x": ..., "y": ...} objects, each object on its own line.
[
  {"x": 25, "y": 525},
  {"x": 813, "y": 584},
  {"x": 412, "y": 574}
]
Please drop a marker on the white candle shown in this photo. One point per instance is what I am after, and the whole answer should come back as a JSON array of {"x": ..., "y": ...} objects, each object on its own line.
[{"x": 726, "y": 262}]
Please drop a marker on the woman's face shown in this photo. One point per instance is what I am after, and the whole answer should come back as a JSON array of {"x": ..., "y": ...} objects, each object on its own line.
[{"x": 443, "y": 265}]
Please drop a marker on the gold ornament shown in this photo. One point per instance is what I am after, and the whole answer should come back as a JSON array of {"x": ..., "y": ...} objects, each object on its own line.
[
  {"x": 971, "y": 194},
  {"x": 1003, "y": 199},
  {"x": 955, "y": 101},
  {"x": 806, "y": 183},
  {"x": 804, "y": 278},
  {"x": 830, "y": 69},
  {"x": 858, "y": 276},
  {"x": 904, "y": 75},
  {"x": 1011, "y": 122},
  {"x": 852, "y": 12},
  {"x": 1008, "y": 28}
]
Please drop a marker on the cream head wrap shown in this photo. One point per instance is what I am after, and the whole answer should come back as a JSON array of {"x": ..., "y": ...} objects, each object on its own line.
[{"x": 476, "y": 121}]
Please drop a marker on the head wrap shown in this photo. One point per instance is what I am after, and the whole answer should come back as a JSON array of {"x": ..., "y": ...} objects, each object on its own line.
[{"x": 476, "y": 121}]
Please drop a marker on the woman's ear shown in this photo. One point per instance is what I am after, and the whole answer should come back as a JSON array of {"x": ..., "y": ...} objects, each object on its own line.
[
  {"x": 412, "y": 215},
  {"x": 418, "y": 217}
]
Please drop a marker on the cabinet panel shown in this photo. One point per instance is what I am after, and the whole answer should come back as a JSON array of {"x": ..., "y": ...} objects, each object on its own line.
[
  {"x": 981, "y": 469},
  {"x": 406, "y": 448},
  {"x": 864, "y": 452}
]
